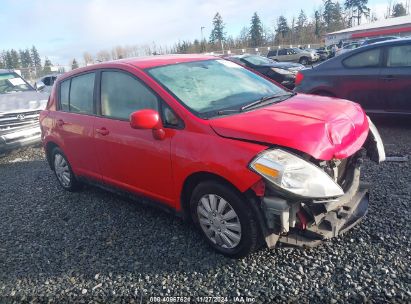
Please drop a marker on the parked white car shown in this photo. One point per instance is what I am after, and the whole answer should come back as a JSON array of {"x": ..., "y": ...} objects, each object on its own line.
[{"x": 347, "y": 48}]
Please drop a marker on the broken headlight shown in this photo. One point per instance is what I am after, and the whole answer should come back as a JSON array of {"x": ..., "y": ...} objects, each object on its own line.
[{"x": 295, "y": 175}]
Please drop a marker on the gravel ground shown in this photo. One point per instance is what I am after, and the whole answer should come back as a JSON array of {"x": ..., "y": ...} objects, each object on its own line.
[{"x": 95, "y": 246}]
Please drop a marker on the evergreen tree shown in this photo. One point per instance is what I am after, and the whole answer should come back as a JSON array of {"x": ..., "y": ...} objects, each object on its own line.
[
  {"x": 256, "y": 31},
  {"x": 2, "y": 64},
  {"x": 301, "y": 25},
  {"x": 35, "y": 57},
  {"x": 8, "y": 62},
  {"x": 15, "y": 59},
  {"x": 398, "y": 10},
  {"x": 47, "y": 66},
  {"x": 74, "y": 64},
  {"x": 217, "y": 33},
  {"x": 282, "y": 27},
  {"x": 333, "y": 16},
  {"x": 317, "y": 24},
  {"x": 358, "y": 8},
  {"x": 25, "y": 58}
]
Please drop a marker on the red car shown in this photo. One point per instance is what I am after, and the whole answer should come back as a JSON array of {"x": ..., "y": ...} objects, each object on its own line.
[{"x": 247, "y": 160}]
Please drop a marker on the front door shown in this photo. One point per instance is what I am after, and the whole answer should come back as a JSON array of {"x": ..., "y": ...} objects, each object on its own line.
[
  {"x": 396, "y": 79},
  {"x": 131, "y": 159}
]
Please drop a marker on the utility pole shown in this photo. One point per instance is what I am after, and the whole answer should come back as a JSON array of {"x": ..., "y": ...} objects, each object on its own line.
[{"x": 203, "y": 46}]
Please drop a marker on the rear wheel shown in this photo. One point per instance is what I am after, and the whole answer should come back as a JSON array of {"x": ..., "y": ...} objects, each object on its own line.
[
  {"x": 304, "y": 61},
  {"x": 224, "y": 218},
  {"x": 63, "y": 171}
]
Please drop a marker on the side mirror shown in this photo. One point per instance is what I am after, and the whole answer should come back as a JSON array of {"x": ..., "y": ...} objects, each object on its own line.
[
  {"x": 144, "y": 119},
  {"x": 39, "y": 85}
]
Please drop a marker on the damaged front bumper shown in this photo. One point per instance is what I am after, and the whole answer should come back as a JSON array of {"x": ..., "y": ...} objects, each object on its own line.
[{"x": 308, "y": 223}]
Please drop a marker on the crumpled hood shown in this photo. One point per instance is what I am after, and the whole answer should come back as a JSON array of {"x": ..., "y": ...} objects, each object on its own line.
[
  {"x": 22, "y": 101},
  {"x": 322, "y": 127}
]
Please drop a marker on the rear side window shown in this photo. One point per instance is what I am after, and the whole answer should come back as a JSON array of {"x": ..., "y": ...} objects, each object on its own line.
[
  {"x": 399, "y": 56},
  {"x": 282, "y": 52},
  {"x": 272, "y": 53},
  {"x": 64, "y": 95},
  {"x": 367, "y": 59},
  {"x": 122, "y": 94},
  {"x": 81, "y": 94}
]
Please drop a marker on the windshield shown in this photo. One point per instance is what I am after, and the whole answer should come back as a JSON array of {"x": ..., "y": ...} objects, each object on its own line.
[
  {"x": 11, "y": 82},
  {"x": 258, "y": 60},
  {"x": 208, "y": 86}
]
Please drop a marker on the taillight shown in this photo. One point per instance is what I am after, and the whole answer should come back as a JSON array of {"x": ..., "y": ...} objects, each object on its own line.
[{"x": 299, "y": 78}]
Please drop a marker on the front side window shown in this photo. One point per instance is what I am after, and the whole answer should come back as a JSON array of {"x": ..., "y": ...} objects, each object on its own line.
[
  {"x": 399, "y": 56},
  {"x": 209, "y": 86},
  {"x": 81, "y": 94},
  {"x": 366, "y": 59},
  {"x": 122, "y": 94}
]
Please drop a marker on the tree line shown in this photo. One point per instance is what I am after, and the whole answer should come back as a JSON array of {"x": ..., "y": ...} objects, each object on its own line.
[
  {"x": 27, "y": 60},
  {"x": 330, "y": 16}
]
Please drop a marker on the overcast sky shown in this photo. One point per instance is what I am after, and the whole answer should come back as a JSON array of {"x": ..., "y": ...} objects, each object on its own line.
[{"x": 66, "y": 29}]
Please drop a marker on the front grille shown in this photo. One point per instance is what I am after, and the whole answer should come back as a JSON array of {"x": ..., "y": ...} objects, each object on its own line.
[{"x": 12, "y": 122}]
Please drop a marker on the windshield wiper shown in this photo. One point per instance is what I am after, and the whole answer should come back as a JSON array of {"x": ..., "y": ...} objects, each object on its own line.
[
  {"x": 264, "y": 99},
  {"x": 224, "y": 112}
]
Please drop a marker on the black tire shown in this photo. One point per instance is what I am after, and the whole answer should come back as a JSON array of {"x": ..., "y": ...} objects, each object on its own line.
[
  {"x": 304, "y": 61},
  {"x": 249, "y": 240},
  {"x": 73, "y": 184}
]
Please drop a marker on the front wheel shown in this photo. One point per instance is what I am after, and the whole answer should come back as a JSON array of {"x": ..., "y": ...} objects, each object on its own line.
[{"x": 224, "y": 218}]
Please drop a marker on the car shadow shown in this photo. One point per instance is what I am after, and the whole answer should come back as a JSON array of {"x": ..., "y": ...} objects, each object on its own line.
[{"x": 46, "y": 230}]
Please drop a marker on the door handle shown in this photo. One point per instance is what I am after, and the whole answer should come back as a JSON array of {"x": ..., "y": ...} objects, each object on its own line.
[
  {"x": 388, "y": 78},
  {"x": 103, "y": 131},
  {"x": 60, "y": 122}
]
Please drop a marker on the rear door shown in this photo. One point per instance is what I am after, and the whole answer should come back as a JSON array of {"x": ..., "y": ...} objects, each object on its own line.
[
  {"x": 282, "y": 55},
  {"x": 131, "y": 159},
  {"x": 359, "y": 79},
  {"x": 74, "y": 123},
  {"x": 396, "y": 78}
]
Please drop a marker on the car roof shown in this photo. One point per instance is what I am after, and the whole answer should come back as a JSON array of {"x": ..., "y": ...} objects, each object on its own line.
[
  {"x": 388, "y": 42},
  {"x": 155, "y": 61},
  {"x": 142, "y": 62}
]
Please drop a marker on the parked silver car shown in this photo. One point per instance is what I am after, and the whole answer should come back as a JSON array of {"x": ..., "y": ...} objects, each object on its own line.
[
  {"x": 293, "y": 55},
  {"x": 20, "y": 106}
]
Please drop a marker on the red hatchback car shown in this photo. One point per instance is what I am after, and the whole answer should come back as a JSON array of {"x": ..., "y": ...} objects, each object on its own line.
[{"x": 247, "y": 160}]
